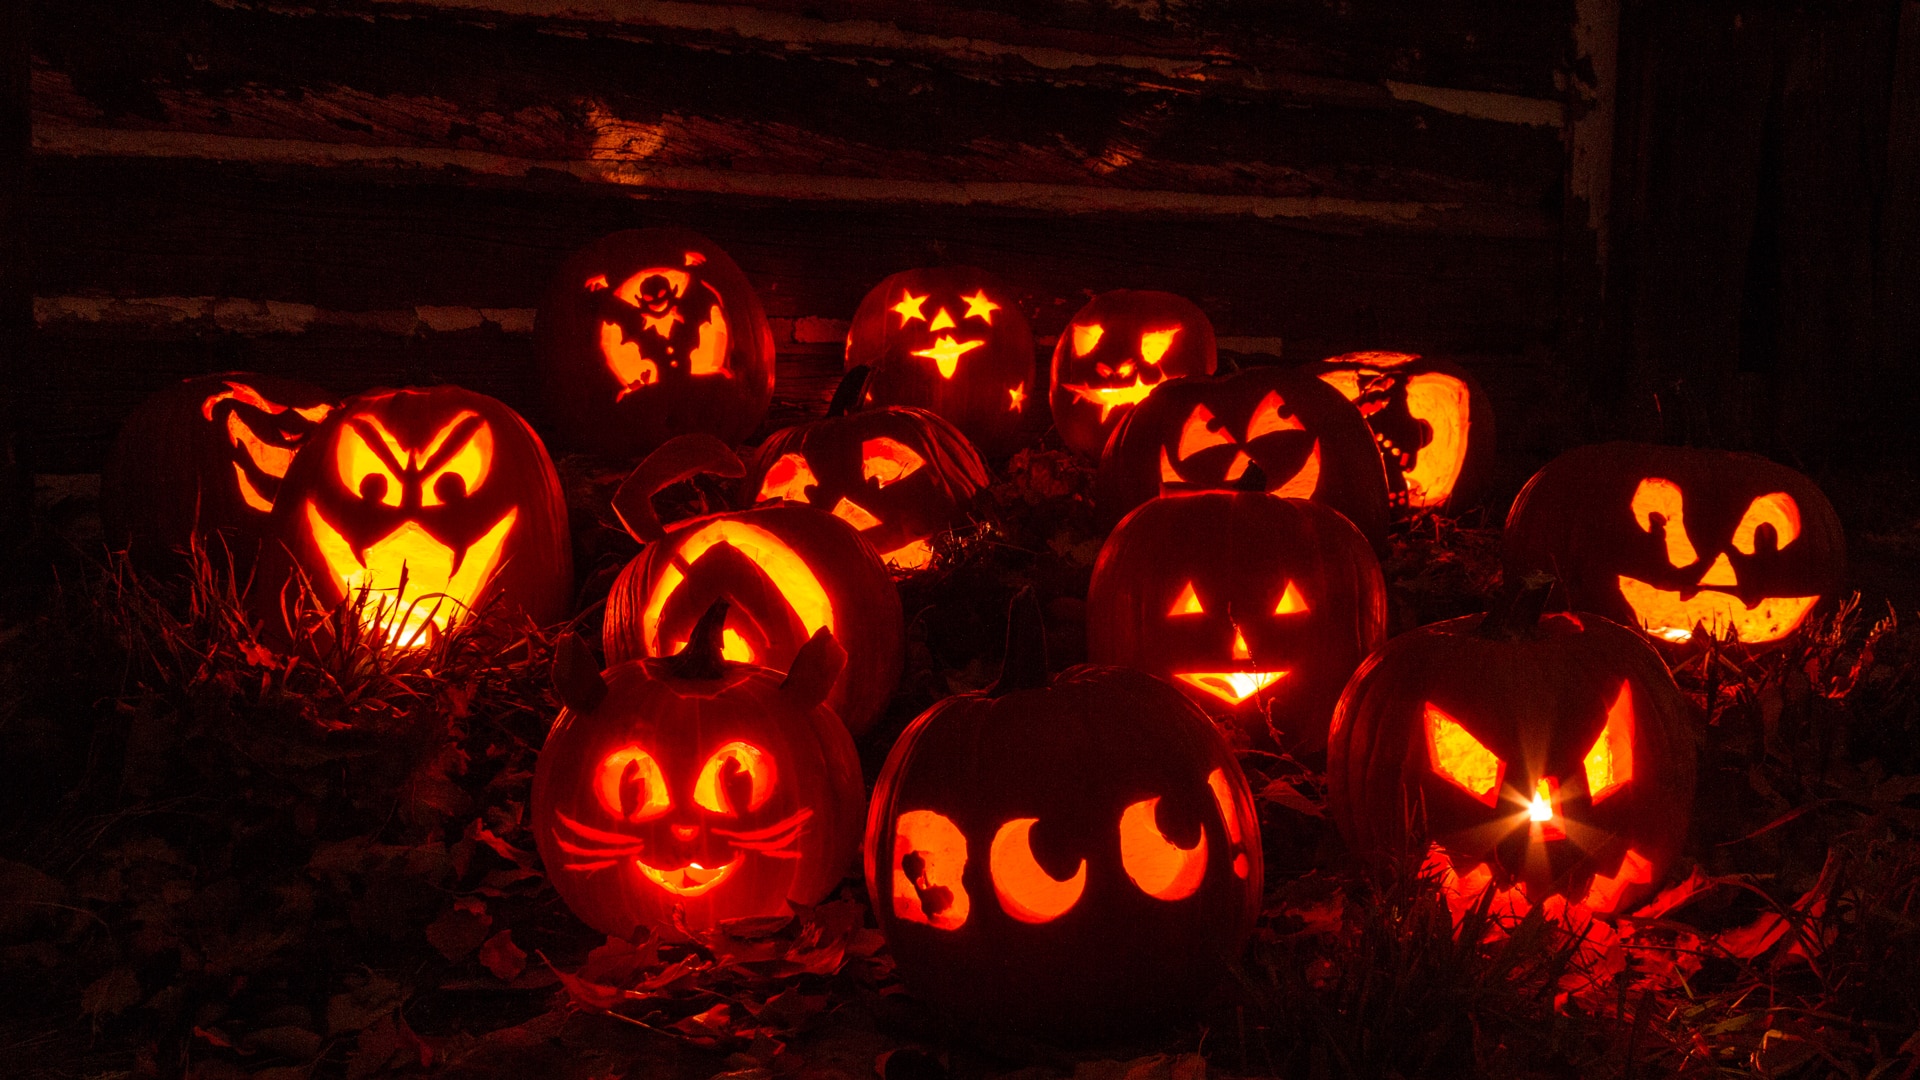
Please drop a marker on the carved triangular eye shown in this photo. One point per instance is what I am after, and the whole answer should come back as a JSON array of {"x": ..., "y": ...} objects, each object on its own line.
[
  {"x": 1659, "y": 496},
  {"x": 1462, "y": 759},
  {"x": 1197, "y": 433},
  {"x": 1187, "y": 603},
  {"x": 364, "y": 468},
  {"x": 1291, "y": 602},
  {"x": 788, "y": 478},
  {"x": 888, "y": 460},
  {"x": 1776, "y": 509},
  {"x": 1267, "y": 418},
  {"x": 466, "y": 469},
  {"x": 1609, "y": 763},
  {"x": 1087, "y": 337},
  {"x": 1155, "y": 343}
]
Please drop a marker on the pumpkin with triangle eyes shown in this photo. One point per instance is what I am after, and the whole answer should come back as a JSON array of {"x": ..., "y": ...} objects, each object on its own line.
[
  {"x": 1431, "y": 420},
  {"x": 789, "y": 570},
  {"x": 422, "y": 505},
  {"x": 951, "y": 340},
  {"x": 898, "y": 475},
  {"x": 206, "y": 457},
  {"x": 1673, "y": 540},
  {"x": 1063, "y": 856},
  {"x": 1119, "y": 347},
  {"x": 1196, "y": 434},
  {"x": 651, "y": 333},
  {"x": 1550, "y": 758},
  {"x": 1263, "y": 621},
  {"x": 688, "y": 791}
]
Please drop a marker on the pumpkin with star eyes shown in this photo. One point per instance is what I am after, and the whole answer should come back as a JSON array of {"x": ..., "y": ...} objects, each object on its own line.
[
  {"x": 1431, "y": 420},
  {"x": 651, "y": 333},
  {"x": 419, "y": 506},
  {"x": 1195, "y": 434},
  {"x": 1675, "y": 540},
  {"x": 688, "y": 791},
  {"x": 1119, "y": 347},
  {"x": 789, "y": 570},
  {"x": 898, "y": 475},
  {"x": 1063, "y": 856},
  {"x": 1550, "y": 758},
  {"x": 204, "y": 459},
  {"x": 951, "y": 340},
  {"x": 1263, "y": 621}
]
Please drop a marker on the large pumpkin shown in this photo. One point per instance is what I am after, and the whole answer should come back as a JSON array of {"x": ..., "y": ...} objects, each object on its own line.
[
  {"x": 951, "y": 340},
  {"x": 651, "y": 333},
  {"x": 1673, "y": 539},
  {"x": 1205, "y": 433},
  {"x": 204, "y": 458},
  {"x": 687, "y": 791},
  {"x": 788, "y": 570},
  {"x": 1063, "y": 856},
  {"x": 1430, "y": 418},
  {"x": 1256, "y": 606},
  {"x": 1119, "y": 347},
  {"x": 1552, "y": 756},
  {"x": 898, "y": 475},
  {"x": 423, "y": 504}
]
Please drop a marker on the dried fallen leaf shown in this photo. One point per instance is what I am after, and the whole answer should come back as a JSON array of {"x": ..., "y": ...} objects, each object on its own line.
[{"x": 502, "y": 957}]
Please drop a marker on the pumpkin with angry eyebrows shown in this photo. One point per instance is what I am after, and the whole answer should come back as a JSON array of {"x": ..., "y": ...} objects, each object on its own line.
[{"x": 1119, "y": 347}]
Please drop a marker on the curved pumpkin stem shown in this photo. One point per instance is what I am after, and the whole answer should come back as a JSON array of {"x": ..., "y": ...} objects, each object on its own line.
[
  {"x": 680, "y": 458},
  {"x": 846, "y": 396},
  {"x": 1025, "y": 666},
  {"x": 701, "y": 658},
  {"x": 1516, "y": 612}
]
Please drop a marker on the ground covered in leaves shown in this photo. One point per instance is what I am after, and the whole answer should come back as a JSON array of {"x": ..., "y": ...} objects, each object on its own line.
[{"x": 223, "y": 860}]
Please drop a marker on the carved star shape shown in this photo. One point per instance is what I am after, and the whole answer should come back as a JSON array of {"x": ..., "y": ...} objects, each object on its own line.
[
  {"x": 947, "y": 352},
  {"x": 909, "y": 307},
  {"x": 1019, "y": 398},
  {"x": 979, "y": 307}
]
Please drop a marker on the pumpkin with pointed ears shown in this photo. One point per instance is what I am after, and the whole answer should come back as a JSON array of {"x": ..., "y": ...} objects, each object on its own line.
[
  {"x": 951, "y": 340},
  {"x": 1674, "y": 540},
  {"x": 1548, "y": 757},
  {"x": 1063, "y": 856},
  {"x": 1431, "y": 420},
  {"x": 651, "y": 333},
  {"x": 688, "y": 791},
  {"x": 788, "y": 570},
  {"x": 898, "y": 475},
  {"x": 1119, "y": 347}
]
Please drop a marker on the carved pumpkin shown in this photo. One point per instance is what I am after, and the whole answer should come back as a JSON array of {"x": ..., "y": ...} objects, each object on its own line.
[
  {"x": 951, "y": 340},
  {"x": 1063, "y": 856},
  {"x": 693, "y": 790},
  {"x": 651, "y": 333},
  {"x": 1206, "y": 433},
  {"x": 1673, "y": 539},
  {"x": 206, "y": 457},
  {"x": 1547, "y": 756},
  {"x": 896, "y": 474},
  {"x": 788, "y": 570},
  {"x": 422, "y": 505},
  {"x": 1258, "y": 607},
  {"x": 1119, "y": 347},
  {"x": 1430, "y": 419}
]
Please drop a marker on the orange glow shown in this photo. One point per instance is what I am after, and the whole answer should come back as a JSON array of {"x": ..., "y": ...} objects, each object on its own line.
[
  {"x": 1378, "y": 358},
  {"x": 732, "y": 647},
  {"x": 624, "y": 360},
  {"x": 788, "y": 478},
  {"x": 1197, "y": 433},
  {"x": 909, "y": 307},
  {"x": 1267, "y": 419},
  {"x": 249, "y": 493},
  {"x": 1443, "y": 402},
  {"x": 1461, "y": 758},
  {"x": 691, "y": 879},
  {"x": 929, "y": 860},
  {"x": 1161, "y": 868},
  {"x": 708, "y": 791},
  {"x": 1776, "y": 509},
  {"x": 596, "y": 283},
  {"x": 1024, "y": 889},
  {"x": 1240, "y": 650},
  {"x": 854, "y": 514},
  {"x": 1087, "y": 337},
  {"x": 1232, "y": 687},
  {"x": 1609, "y": 764},
  {"x": 915, "y": 556},
  {"x": 1017, "y": 398},
  {"x": 1291, "y": 602},
  {"x": 979, "y": 307},
  {"x": 946, "y": 352},
  {"x": 888, "y": 460},
  {"x": 1187, "y": 603},
  {"x": 272, "y": 460},
  {"x": 470, "y": 463},
  {"x": 1230, "y": 816},
  {"x": 783, "y": 566},
  {"x": 1606, "y": 892},
  {"x": 1167, "y": 475},
  {"x": 942, "y": 320},
  {"x": 1543, "y": 811},
  {"x": 692, "y": 258},
  {"x": 1238, "y": 466},
  {"x": 1110, "y": 398},
  {"x": 1155, "y": 343},
  {"x": 1720, "y": 573},
  {"x": 440, "y": 584},
  {"x": 631, "y": 786},
  {"x": 1665, "y": 615},
  {"x": 1302, "y": 484},
  {"x": 709, "y": 354},
  {"x": 1658, "y": 496},
  {"x": 358, "y": 461}
]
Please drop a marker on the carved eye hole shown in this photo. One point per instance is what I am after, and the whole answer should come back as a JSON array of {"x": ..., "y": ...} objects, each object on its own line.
[
  {"x": 1662, "y": 497},
  {"x": 929, "y": 860},
  {"x": 1155, "y": 343},
  {"x": 1087, "y": 337},
  {"x": 1458, "y": 756},
  {"x": 1609, "y": 763},
  {"x": 788, "y": 478},
  {"x": 372, "y": 473},
  {"x": 713, "y": 790},
  {"x": 1161, "y": 868},
  {"x": 1024, "y": 888},
  {"x": 909, "y": 307},
  {"x": 979, "y": 307},
  {"x": 854, "y": 514},
  {"x": 1291, "y": 602},
  {"x": 1197, "y": 433},
  {"x": 1267, "y": 419},
  {"x": 471, "y": 441},
  {"x": 888, "y": 460},
  {"x": 653, "y": 285},
  {"x": 630, "y": 785},
  {"x": 1187, "y": 603},
  {"x": 1776, "y": 509}
]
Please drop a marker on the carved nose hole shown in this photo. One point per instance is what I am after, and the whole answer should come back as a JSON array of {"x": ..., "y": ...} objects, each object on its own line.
[{"x": 684, "y": 833}]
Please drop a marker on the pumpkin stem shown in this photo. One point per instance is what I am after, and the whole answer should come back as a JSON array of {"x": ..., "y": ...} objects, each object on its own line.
[
  {"x": 701, "y": 658},
  {"x": 1254, "y": 480},
  {"x": 1025, "y": 666},
  {"x": 846, "y": 397},
  {"x": 1516, "y": 613},
  {"x": 677, "y": 459}
]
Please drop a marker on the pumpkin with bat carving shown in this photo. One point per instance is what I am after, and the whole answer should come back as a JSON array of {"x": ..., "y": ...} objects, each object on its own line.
[
  {"x": 688, "y": 791},
  {"x": 898, "y": 475},
  {"x": 1258, "y": 607},
  {"x": 422, "y": 505},
  {"x": 1119, "y": 347},
  {"x": 1674, "y": 540},
  {"x": 1546, "y": 757},
  {"x": 1195, "y": 433},
  {"x": 204, "y": 459},
  {"x": 650, "y": 333},
  {"x": 788, "y": 570},
  {"x": 951, "y": 340},
  {"x": 1431, "y": 420},
  {"x": 1063, "y": 856}
]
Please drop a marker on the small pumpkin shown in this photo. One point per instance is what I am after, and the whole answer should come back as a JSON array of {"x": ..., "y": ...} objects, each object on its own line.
[
  {"x": 1119, "y": 347},
  {"x": 1431, "y": 420}
]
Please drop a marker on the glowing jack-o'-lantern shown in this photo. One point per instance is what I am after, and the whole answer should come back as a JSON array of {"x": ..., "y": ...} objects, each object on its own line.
[
  {"x": 421, "y": 505},
  {"x": 788, "y": 570},
  {"x": 951, "y": 340},
  {"x": 1675, "y": 540},
  {"x": 1263, "y": 620},
  {"x": 1551, "y": 756},
  {"x": 1119, "y": 347},
  {"x": 1062, "y": 855},
  {"x": 1430, "y": 419},
  {"x": 206, "y": 457},
  {"x": 651, "y": 333},
  {"x": 691, "y": 790},
  {"x": 898, "y": 475}
]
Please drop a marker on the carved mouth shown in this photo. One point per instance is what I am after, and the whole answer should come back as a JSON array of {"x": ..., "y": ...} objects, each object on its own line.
[
  {"x": 691, "y": 879},
  {"x": 1665, "y": 615},
  {"x": 598, "y": 849},
  {"x": 1110, "y": 398},
  {"x": 945, "y": 352},
  {"x": 410, "y": 580},
  {"x": 1232, "y": 687}
]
